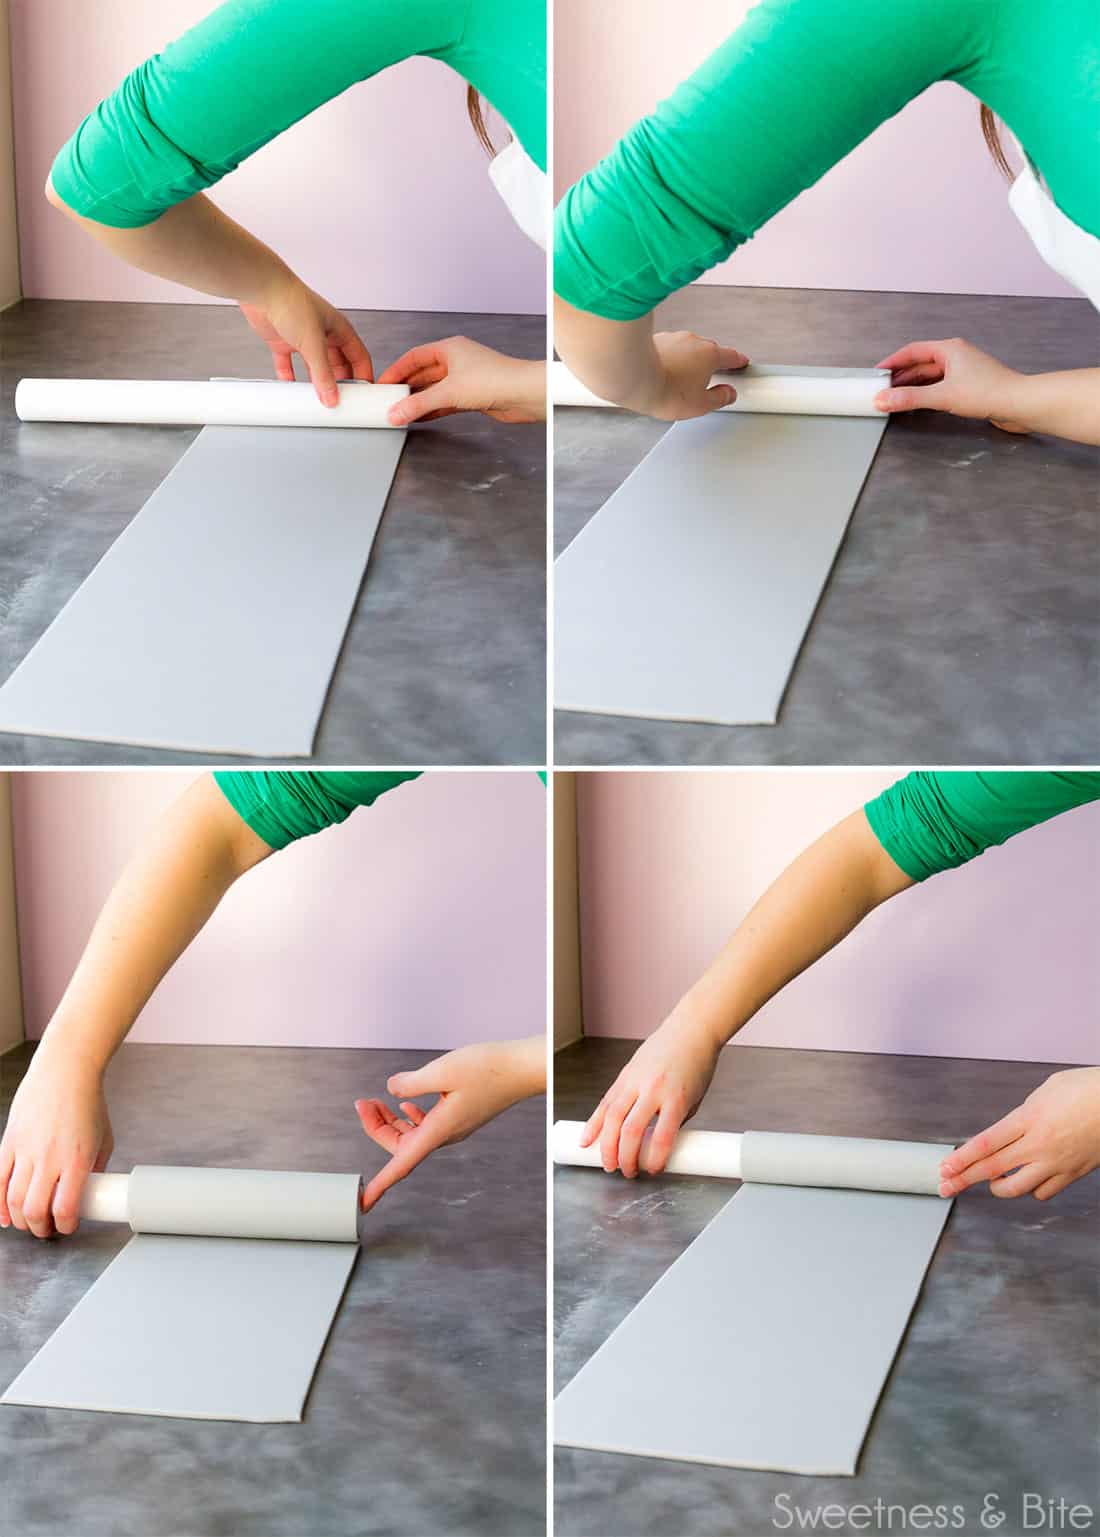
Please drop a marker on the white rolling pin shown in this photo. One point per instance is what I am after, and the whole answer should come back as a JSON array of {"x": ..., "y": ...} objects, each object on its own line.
[
  {"x": 227, "y": 1203},
  {"x": 784, "y": 1158},
  {"x": 204, "y": 402},
  {"x": 771, "y": 388}
]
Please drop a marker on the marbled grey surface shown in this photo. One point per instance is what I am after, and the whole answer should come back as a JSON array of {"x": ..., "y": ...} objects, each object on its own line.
[
  {"x": 427, "y": 1413},
  {"x": 960, "y": 623},
  {"x": 996, "y": 1386},
  {"x": 444, "y": 660}
]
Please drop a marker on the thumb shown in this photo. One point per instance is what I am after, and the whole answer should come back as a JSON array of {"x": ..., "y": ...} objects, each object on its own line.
[
  {"x": 911, "y": 398},
  {"x": 421, "y": 1080},
  {"x": 720, "y": 395},
  {"x": 315, "y": 351},
  {"x": 437, "y": 397}
]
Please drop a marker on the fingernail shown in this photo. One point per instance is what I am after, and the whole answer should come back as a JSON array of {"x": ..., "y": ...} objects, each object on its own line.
[
  {"x": 397, "y": 416},
  {"x": 881, "y": 400}
]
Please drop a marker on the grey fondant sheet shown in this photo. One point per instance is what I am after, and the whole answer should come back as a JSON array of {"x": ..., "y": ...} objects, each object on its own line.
[
  {"x": 214, "y": 621},
  {"x": 767, "y": 1343},
  {"x": 195, "y": 1328},
  {"x": 687, "y": 596}
]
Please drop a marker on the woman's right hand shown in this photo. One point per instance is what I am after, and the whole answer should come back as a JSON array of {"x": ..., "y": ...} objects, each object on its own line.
[
  {"x": 58, "y": 1132},
  {"x": 292, "y": 318},
  {"x": 666, "y": 1077}
]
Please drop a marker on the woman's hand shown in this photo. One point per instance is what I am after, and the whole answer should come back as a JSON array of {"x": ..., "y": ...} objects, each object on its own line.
[
  {"x": 679, "y": 387},
  {"x": 292, "y": 318},
  {"x": 58, "y": 1132},
  {"x": 474, "y": 1084},
  {"x": 1052, "y": 1139},
  {"x": 461, "y": 375},
  {"x": 666, "y": 1077},
  {"x": 955, "y": 377}
]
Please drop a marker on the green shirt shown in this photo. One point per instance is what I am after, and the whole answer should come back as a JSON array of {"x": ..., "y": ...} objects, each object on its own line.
[
  {"x": 930, "y": 822},
  {"x": 795, "y": 88},
  {"x": 282, "y": 805},
  {"x": 193, "y": 112}
]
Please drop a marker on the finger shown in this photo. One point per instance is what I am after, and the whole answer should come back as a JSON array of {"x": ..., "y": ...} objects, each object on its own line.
[
  {"x": 594, "y": 1123},
  {"x": 414, "y": 1112},
  {"x": 924, "y": 397},
  {"x": 315, "y": 352},
  {"x": 378, "y": 1124},
  {"x": 729, "y": 357},
  {"x": 341, "y": 368},
  {"x": 919, "y": 373},
  {"x": 1030, "y": 1177},
  {"x": 1000, "y": 1163},
  {"x": 66, "y": 1198},
  {"x": 7, "y": 1163},
  {"x": 1008, "y": 1129},
  {"x": 1051, "y": 1187},
  {"x": 663, "y": 1139},
  {"x": 630, "y": 1138},
  {"x": 106, "y": 1148},
  {"x": 419, "y": 1080},
  {"x": 413, "y": 1150},
  {"x": 351, "y": 344},
  {"x": 401, "y": 369},
  {"x": 17, "y": 1189},
  {"x": 425, "y": 376},
  {"x": 284, "y": 364},
  {"x": 38, "y": 1201},
  {"x": 617, "y": 1112},
  {"x": 912, "y": 352},
  {"x": 415, "y": 408},
  {"x": 720, "y": 395}
]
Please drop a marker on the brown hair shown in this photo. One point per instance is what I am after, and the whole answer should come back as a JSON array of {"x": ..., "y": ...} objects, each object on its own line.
[
  {"x": 477, "y": 118},
  {"x": 991, "y": 135}
]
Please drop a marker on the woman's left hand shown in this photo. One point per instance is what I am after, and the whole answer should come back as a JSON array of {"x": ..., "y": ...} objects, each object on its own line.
[
  {"x": 955, "y": 377},
  {"x": 1052, "y": 1139},
  {"x": 460, "y": 375},
  {"x": 474, "y": 1084}
]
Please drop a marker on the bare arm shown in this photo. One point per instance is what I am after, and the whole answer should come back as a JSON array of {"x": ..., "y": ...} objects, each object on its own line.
[
  {"x": 811, "y": 907},
  {"x": 58, "y": 1129},
  {"x": 195, "y": 244}
]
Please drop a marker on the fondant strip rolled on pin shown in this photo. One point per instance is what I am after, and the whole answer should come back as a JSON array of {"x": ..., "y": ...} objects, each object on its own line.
[
  {"x": 784, "y": 1158},
  {"x": 768, "y": 388},
  {"x": 228, "y": 1203},
  {"x": 204, "y": 402}
]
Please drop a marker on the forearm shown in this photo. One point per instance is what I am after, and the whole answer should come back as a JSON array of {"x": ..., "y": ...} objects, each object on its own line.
[
  {"x": 195, "y": 244},
  {"x": 1065, "y": 404},
  {"x": 616, "y": 359},
  {"x": 811, "y": 907},
  {"x": 160, "y": 902},
  {"x": 530, "y": 1057}
]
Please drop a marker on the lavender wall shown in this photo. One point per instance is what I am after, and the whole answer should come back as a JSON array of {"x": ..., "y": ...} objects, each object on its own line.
[
  {"x": 998, "y": 959},
  {"x": 918, "y": 207},
  {"x": 419, "y": 922},
  {"x": 380, "y": 200}
]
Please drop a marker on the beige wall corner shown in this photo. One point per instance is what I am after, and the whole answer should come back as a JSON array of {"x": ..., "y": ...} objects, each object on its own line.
[
  {"x": 11, "y": 997},
  {"x": 568, "y": 1024},
  {"x": 9, "y": 237}
]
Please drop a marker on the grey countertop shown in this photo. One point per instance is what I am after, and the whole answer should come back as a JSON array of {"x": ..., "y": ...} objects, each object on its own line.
[
  {"x": 960, "y": 622},
  {"x": 996, "y": 1386},
  {"x": 427, "y": 1413},
  {"x": 444, "y": 660}
]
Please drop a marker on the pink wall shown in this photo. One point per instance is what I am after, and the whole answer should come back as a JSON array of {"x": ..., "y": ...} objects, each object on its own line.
[
  {"x": 997, "y": 959},
  {"x": 380, "y": 200},
  {"x": 419, "y": 922},
  {"x": 917, "y": 207}
]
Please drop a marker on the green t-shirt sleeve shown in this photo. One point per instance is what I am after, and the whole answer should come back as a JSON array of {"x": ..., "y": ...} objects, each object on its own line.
[
  {"x": 194, "y": 111},
  {"x": 796, "y": 87},
  {"x": 283, "y": 805},
  {"x": 929, "y": 822}
]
